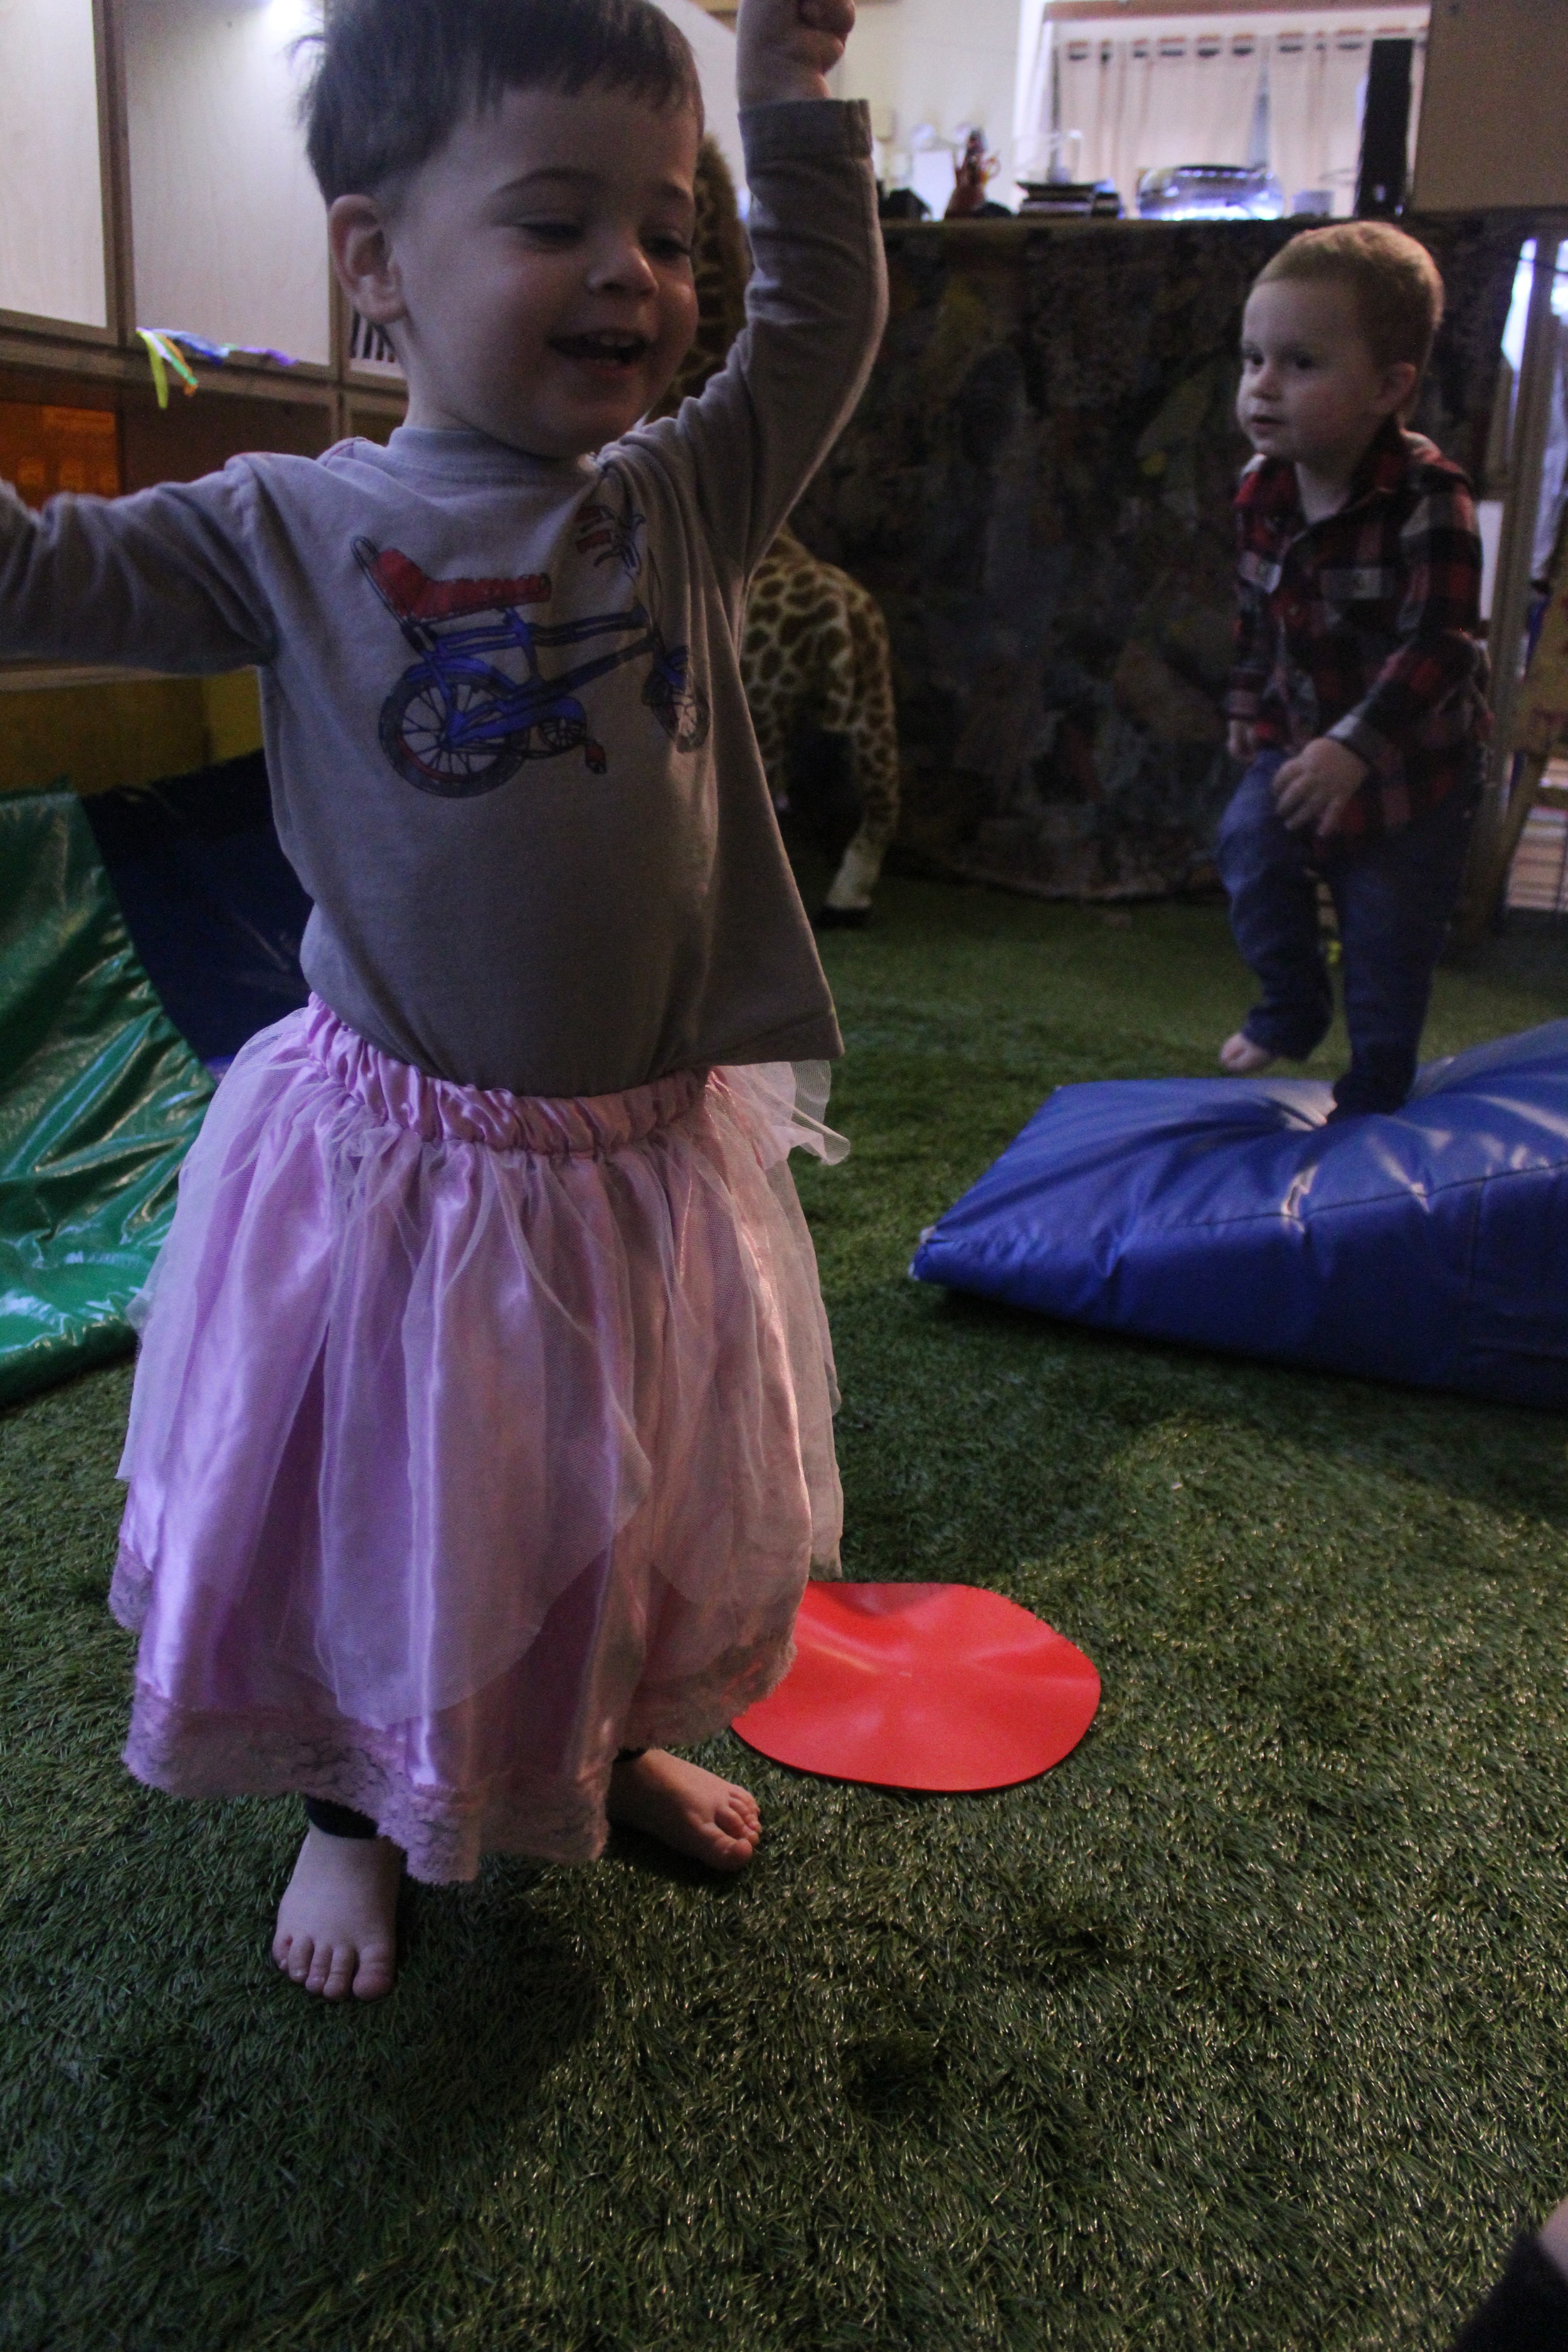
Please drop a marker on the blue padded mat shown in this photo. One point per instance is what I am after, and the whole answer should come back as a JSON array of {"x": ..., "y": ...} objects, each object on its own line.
[
  {"x": 1429, "y": 1245},
  {"x": 215, "y": 909}
]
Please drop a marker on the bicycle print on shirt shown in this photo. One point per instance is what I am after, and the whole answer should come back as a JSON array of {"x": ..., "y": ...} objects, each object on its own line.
[{"x": 457, "y": 724}]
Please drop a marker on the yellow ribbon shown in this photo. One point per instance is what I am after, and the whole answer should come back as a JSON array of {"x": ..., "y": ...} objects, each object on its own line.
[{"x": 162, "y": 355}]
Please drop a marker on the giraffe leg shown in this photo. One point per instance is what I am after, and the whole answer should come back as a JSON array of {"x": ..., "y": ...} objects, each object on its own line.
[
  {"x": 815, "y": 647},
  {"x": 852, "y": 887},
  {"x": 874, "y": 728}
]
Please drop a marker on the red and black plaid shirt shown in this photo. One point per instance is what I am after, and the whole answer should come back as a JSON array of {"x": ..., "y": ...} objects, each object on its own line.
[{"x": 1363, "y": 627}]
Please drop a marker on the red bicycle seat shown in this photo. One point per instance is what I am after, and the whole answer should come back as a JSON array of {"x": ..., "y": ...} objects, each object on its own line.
[
  {"x": 924, "y": 1687},
  {"x": 415, "y": 596}
]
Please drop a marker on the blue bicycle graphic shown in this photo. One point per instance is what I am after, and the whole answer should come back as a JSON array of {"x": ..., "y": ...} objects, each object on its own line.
[{"x": 457, "y": 725}]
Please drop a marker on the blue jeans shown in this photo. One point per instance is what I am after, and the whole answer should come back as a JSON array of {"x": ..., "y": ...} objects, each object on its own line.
[{"x": 1393, "y": 899}]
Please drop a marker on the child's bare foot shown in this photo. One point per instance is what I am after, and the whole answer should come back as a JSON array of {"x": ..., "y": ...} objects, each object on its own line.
[
  {"x": 337, "y": 1923},
  {"x": 681, "y": 1805},
  {"x": 1242, "y": 1058}
]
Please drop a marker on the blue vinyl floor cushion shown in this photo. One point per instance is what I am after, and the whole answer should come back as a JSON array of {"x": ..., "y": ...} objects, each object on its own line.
[{"x": 1427, "y": 1245}]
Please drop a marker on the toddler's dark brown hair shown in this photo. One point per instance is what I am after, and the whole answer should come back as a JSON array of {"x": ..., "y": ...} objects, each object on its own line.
[{"x": 394, "y": 78}]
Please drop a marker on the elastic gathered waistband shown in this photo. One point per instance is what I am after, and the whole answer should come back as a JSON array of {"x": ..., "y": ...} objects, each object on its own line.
[{"x": 440, "y": 1109}]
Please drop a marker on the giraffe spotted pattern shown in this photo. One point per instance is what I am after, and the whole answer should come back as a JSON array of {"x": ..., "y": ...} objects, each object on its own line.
[{"x": 815, "y": 654}]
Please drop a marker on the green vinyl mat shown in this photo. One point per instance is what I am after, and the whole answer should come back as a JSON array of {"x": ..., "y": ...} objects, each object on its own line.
[{"x": 100, "y": 1099}]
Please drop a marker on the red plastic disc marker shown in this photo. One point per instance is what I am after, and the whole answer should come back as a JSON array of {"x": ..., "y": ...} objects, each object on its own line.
[{"x": 924, "y": 1687}]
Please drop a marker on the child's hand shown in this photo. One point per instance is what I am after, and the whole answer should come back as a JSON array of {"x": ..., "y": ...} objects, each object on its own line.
[
  {"x": 1241, "y": 740},
  {"x": 787, "y": 49},
  {"x": 1312, "y": 788}
]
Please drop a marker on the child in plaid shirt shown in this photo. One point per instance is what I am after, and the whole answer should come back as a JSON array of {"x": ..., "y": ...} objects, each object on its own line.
[{"x": 1358, "y": 696}]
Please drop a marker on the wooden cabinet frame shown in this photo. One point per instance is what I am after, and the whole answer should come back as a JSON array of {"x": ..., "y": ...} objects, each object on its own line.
[{"x": 103, "y": 358}]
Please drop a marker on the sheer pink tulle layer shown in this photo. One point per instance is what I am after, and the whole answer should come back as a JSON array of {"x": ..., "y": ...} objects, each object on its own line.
[{"x": 474, "y": 1437}]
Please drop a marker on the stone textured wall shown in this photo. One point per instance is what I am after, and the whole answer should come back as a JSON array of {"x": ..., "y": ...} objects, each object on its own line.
[{"x": 1038, "y": 485}]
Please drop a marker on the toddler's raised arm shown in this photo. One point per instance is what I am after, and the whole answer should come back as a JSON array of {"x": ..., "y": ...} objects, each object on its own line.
[{"x": 817, "y": 298}]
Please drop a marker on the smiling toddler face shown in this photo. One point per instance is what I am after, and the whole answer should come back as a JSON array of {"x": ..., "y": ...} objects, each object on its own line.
[{"x": 544, "y": 264}]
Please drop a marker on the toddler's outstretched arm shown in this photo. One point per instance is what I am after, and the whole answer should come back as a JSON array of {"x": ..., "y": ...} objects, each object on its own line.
[{"x": 158, "y": 581}]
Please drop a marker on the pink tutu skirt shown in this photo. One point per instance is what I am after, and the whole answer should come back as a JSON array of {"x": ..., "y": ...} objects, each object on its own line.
[{"x": 475, "y": 1436}]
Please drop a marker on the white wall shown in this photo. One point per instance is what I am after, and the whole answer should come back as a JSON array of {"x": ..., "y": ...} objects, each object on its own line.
[
  {"x": 51, "y": 215},
  {"x": 713, "y": 45},
  {"x": 951, "y": 63},
  {"x": 229, "y": 230}
]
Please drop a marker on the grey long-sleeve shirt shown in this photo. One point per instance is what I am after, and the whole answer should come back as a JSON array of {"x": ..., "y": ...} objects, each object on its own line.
[{"x": 511, "y": 760}]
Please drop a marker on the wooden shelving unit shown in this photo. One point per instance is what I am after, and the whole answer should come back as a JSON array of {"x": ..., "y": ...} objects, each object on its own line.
[
  {"x": 97, "y": 727},
  {"x": 244, "y": 403}
]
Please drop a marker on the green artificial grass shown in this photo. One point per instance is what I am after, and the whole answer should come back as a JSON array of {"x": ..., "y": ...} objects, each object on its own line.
[{"x": 1245, "y": 2027}]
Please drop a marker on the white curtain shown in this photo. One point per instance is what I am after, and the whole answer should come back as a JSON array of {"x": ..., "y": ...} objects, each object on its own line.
[
  {"x": 1154, "y": 99},
  {"x": 1297, "y": 141},
  {"x": 1127, "y": 153},
  {"x": 1090, "y": 75},
  {"x": 1190, "y": 95},
  {"x": 1204, "y": 100},
  {"x": 1345, "y": 60}
]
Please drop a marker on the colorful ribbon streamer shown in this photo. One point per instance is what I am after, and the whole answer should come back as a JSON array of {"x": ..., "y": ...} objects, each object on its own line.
[
  {"x": 164, "y": 352},
  {"x": 162, "y": 355}
]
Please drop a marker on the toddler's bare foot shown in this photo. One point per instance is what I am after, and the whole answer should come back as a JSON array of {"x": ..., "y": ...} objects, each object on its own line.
[
  {"x": 1242, "y": 1058},
  {"x": 337, "y": 1923},
  {"x": 685, "y": 1807}
]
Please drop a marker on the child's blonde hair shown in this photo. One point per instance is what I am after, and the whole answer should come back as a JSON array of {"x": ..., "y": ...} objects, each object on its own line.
[{"x": 1396, "y": 284}]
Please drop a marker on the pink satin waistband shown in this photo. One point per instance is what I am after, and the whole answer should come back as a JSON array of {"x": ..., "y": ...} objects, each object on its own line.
[{"x": 439, "y": 1108}]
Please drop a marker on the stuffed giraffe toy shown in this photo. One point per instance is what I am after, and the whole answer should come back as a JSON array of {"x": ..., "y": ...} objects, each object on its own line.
[{"x": 814, "y": 654}]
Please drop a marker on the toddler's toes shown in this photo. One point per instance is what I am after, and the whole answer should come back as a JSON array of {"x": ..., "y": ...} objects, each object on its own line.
[
  {"x": 724, "y": 1839},
  {"x": 375, "y": 1975},
  {"x": 1242, "y": 1057},
  {"x": 687, "y": 1808},
  {"x": 737, "y": 1814},
  {"x": 327, "y": 1968},
  {"x": 299, "y": 1951},
  {"x": 337, "y": 1923},
  {"x": 342, "y": 1975},
  {"x": 734, "y": 1827}
]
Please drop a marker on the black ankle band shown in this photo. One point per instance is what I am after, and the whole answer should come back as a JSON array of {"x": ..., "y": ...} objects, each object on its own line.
[{"x": 338, "y": 1821}]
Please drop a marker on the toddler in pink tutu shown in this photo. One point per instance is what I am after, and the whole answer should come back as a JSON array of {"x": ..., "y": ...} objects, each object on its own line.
[{"x": 482, "y": 1441}]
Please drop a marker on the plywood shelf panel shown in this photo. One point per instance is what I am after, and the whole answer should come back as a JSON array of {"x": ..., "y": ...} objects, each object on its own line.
[
  {"x": 229, "y": 227},
  {"x": 51, "y": 187}
]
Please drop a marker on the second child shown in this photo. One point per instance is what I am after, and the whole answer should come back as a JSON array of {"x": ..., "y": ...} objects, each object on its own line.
[{"x": 1358, "y": 696}]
